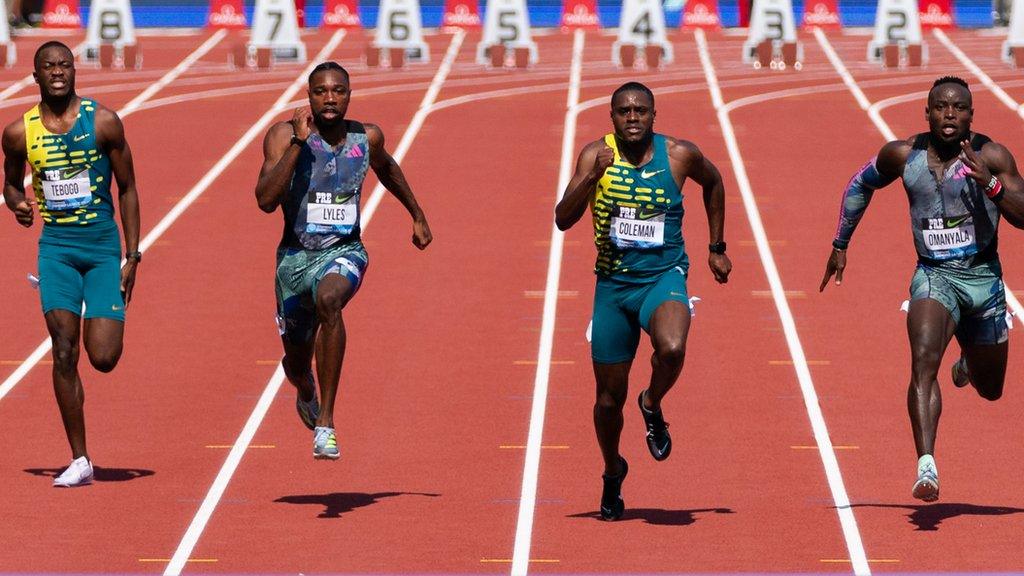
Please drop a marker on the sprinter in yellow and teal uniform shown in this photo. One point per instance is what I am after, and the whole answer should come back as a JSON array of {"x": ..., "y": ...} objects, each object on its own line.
[
  {"x": 75, "y": 147},
  {"x": 632, "y": 179}
]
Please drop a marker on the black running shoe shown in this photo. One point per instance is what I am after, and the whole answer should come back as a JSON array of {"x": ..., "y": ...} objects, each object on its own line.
[
  {"x": 612, "y": 505},
  {"x": 658, "y": 440},
  {"x": 961, "y": 377}
]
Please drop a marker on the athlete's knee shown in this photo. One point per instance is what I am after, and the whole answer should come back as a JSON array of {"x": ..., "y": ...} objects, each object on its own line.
[
  {"x": 105, "y": 361},
  {"x": 609, "y": 401},
  {"x": 65, "y": 354},
  {"x": 670, "y": 351},
  {"x": 990, "y": 391},
  {"x": 329, "y": 303}
]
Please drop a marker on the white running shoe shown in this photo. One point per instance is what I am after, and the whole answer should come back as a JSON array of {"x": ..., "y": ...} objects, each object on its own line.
[
  {"x": 78, "y": 473},
  {"x": 927, "y": 486},
  {"x": 325, "y": 444}
]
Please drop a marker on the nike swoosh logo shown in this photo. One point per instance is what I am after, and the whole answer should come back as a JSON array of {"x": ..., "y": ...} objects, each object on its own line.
[
  {"x": 646, "y": 174},
  {"x": 115, "y": 308},
  {"x": 84, "y": 136},
  {"x": 954, "y": 222},
  {"x": 648, "y": 215}
]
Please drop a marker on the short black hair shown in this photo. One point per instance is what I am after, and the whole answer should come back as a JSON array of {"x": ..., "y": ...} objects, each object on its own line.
[
  {"x": 46, "y": 46},
  {"x": 324, "y": 67},
  {"x": 951, "y": 80},
  {"x": 633, "y": 87}
]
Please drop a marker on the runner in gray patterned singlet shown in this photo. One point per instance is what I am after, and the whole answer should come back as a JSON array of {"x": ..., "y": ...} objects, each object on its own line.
[
  {"x": 958, "y": 183},
  {"x": 313, "y": 168}
]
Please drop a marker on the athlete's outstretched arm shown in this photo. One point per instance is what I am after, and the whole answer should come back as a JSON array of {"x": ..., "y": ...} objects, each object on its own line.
[
  {"x": 280, "y": 156},
  {"x": 706, "y": 174},
  {"x": 110, "y": 136},
  {"x": 594, "y": 159},
  {"x": 15, "y": 156},
  {"x": 879, "y": 172},
  {"x": 390, "y": 175},
  {"x": 996, "y": 173}
]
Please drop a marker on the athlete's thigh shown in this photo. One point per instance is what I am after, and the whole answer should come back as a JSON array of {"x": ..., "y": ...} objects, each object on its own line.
[
  {"x": 614, "y": 331},
  {"x": 61, "y": 286},
  {"x": 339, "y": 278},
  {"x": 930, "y": 327},
  {"x": 665, "y": 312},
  {"x": 104, "y": 339},
  {"x": 101, "y": 288},
  {"x": 293, "y": 288}
]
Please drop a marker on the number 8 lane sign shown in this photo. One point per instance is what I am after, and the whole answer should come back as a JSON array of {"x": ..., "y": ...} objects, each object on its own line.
[{"x": 110, "y": 22}]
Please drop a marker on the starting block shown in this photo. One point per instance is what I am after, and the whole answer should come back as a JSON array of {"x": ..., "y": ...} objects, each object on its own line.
[
  {"x": 777, "y": 55},
  {"x": 249, "y": 57},
  {"x": 394, "y": 57},
  {"x": 1015, "y": 56},
  {"x": 123, "y": 57},
  {"x": 653, "y": 56},
  {"x": 902, "y": 55},
  {"x": 502, "y": 56},
  {"x": 7, "y": 54}
]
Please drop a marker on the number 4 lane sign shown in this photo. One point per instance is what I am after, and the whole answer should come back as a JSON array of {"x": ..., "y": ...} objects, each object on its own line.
[
  {"x": 642, "y": 25},
  {"x": 399, "y": 25},
  {"x": 507, "y": 24},
  {"x": 276, "y": 26}
]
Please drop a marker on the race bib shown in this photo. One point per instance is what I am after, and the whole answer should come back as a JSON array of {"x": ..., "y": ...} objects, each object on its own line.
[
  {"x": 331, "y": 213},
  {"x": 948, "y": 236},
  {"x": 66, "y": 190},
  {"x": 637, "y": 228}
]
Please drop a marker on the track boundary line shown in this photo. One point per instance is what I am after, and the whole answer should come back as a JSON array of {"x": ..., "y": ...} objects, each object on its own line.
[
  {"x": 848, "y": 522},
  {"x": 234, "y": 458},
  {"x": 33, "y": 359},
  {"x": 531, "y": 466}
]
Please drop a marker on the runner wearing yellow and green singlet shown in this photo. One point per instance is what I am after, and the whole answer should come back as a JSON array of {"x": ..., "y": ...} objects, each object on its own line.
[
  {"x": 633, "y": 179},
  {"x": 75, "y": 147}
]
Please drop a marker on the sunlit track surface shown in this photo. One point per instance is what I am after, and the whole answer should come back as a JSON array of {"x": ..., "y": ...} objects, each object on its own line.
[{"x": 435, "y": 407}]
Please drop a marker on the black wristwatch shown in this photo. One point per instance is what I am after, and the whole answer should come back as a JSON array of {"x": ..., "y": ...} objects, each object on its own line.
[
  {"x": 717, "y": 248},
  {"x": 134, "y": 256},
  {"x": 297, "y": 140}
]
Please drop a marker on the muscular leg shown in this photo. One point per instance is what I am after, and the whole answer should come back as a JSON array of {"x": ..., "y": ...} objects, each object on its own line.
[
  {"x": 669, "y": 326},
  {"x": 333, "y": 292},
  {"x": 104, "y": 341},
  {"x": 987, "y": 366},
  {"x": 64, "y": 327},
  {"x": 930, "y": 328},
  {"x": 298, "y": 366},
  {"x": 612, "y": 384}
]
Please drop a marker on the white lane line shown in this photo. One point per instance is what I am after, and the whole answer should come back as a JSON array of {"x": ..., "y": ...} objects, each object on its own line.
[
  {"x": 417, "y": 120},
  {"x": 234, "y": 458},
  {"x": 851, "y": 533},
  {"x": 45, "y": 346},
  {"x": 531, "y": 467},
  {"x": 17, "y": 86},
  {"x": 883, "y": 127},
  {"x": 851, "y": 84},
  {"x": 985, "y": 79},
  {"x": 174, "y": 73}
]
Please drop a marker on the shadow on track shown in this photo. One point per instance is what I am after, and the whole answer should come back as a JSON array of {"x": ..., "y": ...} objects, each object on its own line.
[
  {"x": 658, "y": 516},
  {"x": 338, "y": 503},
  {"x": 100, "y": 474},
  {"x": 927, "y": 517}
]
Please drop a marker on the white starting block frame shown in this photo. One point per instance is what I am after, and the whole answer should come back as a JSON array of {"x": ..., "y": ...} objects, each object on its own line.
[
  {"x": 897, "y": 38},
  {"x": 275, "y": 27},
  {"x": 399, "y": 36},
  {"x": 1013, "y": 46},
  {"x": 507, "y": 26},
  {"x": 110, "y": 38},
  {"x": 641, "y": 27},
  {"x": 8, "y": 51},
  {"x": 772, "y": 40}
]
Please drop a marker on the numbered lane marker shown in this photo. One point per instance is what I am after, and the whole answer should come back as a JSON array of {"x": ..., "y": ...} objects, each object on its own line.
[
  {"x": 275, "y": 33},
  {"x": 506, "y": 32},
  {"x": 897, "y": 38},
  {"x": 1013, "y": 47},
  {"x": 400, "y": 33},
  {"x": 642, "y": 27},
  {"x": 771, "y": 41},
  {"x": 110, "y": 38}
]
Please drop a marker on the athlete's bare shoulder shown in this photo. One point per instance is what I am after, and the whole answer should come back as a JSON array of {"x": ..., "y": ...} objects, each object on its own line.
[
  {"x": 14, "y": 137},
  {"x": 893, "y": 157},
  {"x": 682, "y": 150}
]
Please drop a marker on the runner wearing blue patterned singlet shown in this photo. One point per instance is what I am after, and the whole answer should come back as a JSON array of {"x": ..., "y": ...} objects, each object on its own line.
[
  {"x": 313, "y": 169},
  {"x": 76, "y": 149},
  {"x": 958, "y": 184},
  {"x": 632, "y": 179}
]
